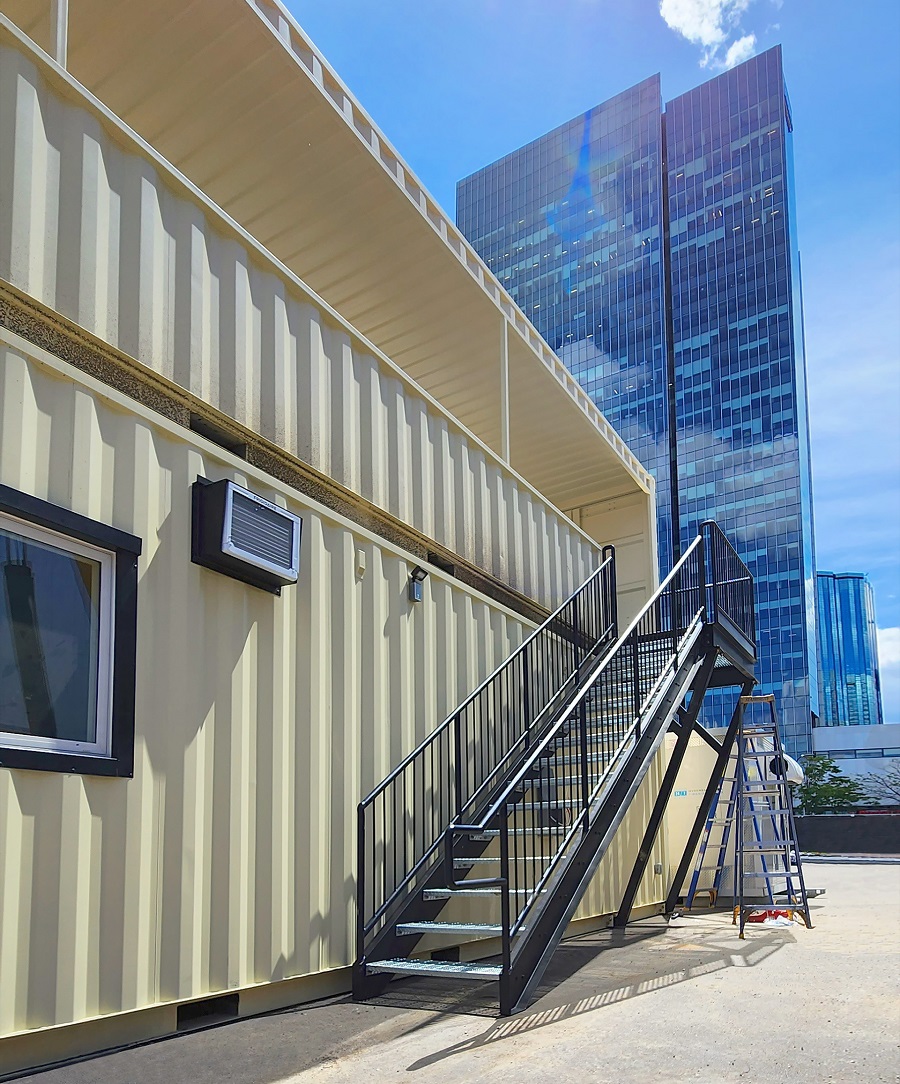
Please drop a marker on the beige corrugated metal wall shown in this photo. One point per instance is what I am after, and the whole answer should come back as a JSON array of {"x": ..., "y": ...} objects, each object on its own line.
[
  {"x": 99, "y": 235},
  {"x": 228, "y": 860}
]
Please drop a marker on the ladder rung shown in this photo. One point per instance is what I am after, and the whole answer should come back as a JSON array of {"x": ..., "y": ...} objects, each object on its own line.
[{"x": 770, "y": 874}]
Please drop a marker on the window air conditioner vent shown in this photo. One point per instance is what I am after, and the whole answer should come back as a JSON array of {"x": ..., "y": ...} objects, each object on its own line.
[{"x": 245, "y": 536}]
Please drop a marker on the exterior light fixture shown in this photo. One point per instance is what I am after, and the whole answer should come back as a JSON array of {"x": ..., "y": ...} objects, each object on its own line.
[{"x": 416, "y": 578}]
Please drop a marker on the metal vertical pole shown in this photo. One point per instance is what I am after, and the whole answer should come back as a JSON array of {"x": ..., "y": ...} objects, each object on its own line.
[
  {"x": 636, "y": 679},
  {"x": 457, "y": 774},
  {"x": 504, "y": 390},
  {"x": 59, "y": 27}
]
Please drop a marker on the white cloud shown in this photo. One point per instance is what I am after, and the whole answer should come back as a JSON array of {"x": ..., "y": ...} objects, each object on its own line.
[
  {"x": 738, "y": 52},
  {"x": 889, "y": 668},
  {"x": 702, "y": 22},
  {"x": 710, "y": 23},
  {"x": 889, "y": 648}
]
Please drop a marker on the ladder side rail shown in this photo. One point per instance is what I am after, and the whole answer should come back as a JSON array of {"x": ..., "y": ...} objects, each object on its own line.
[
  {"x": 714, "y": 819},
  {"x": 737, "y": 896},
  {"x": 757, "y": 834},
  {"x": 729, "y": 818},
  {"x": 731, "y": 810},
  {"x": 792, "y": 827}
]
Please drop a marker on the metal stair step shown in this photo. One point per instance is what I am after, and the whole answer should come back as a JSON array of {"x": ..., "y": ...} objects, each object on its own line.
[
  {"x": 479, "y": 929},
  {"x": 466, "y": 863},
  {"x": 449, "y": 893},
  {"x": 547, "y": 807},
  {"x": 569, "y": 759},
  {"x": 436, "y": 969},
  {"x": 538, "y": 830},
  {"x": 431, "y": 894}
]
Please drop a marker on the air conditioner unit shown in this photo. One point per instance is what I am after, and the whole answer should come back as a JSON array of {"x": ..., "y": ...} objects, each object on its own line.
[{"x": 239, "y": 534}]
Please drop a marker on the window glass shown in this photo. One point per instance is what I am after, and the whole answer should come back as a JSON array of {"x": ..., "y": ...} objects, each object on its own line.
[{"x": 55, "y": 599}]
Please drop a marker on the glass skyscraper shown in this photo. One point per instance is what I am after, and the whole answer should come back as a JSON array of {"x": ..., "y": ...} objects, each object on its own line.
[
  {"x": 849, "y": 685},
  {"x": 654, "y": 247}
]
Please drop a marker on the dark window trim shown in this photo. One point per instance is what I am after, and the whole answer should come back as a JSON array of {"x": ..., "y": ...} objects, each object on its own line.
[{"x": 127, "y": 549}]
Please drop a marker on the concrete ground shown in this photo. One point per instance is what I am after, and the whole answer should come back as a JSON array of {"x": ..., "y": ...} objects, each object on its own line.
[{"x": 683, "y": 1001}]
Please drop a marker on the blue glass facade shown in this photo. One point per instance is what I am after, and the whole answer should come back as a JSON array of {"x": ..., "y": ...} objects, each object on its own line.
[
  {"x": 572, "y": 226},
  {"x": 849, "y": 685},
  {"x": 655, "y": 250}
]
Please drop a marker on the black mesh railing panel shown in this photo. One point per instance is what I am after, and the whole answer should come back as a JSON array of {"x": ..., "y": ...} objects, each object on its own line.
[{"x": 454, "y": 773}]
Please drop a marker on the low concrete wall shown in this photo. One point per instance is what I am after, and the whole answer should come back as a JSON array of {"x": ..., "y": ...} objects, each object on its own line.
[{"x": 852, "y": 833}]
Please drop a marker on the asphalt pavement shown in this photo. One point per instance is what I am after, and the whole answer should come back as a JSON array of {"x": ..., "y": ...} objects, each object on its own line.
[{"x": 679, "y": 1001}]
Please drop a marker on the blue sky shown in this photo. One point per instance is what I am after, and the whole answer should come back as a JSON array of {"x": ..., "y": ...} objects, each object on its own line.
[{"x": 455, "y": 85}]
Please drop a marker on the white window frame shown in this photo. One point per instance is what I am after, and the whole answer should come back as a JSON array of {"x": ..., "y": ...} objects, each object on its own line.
[{"x": 102, "y": 745}]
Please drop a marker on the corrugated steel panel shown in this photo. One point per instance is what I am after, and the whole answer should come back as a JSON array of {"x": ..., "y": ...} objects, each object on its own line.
[
  {"x": 228, "y": 859},
  {"x": 97, "y": 234}
]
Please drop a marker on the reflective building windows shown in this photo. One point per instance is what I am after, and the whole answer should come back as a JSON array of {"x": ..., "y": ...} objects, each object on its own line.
[
  {"x": 655, "y": 251},
  {"x": 849, "y": 687}
]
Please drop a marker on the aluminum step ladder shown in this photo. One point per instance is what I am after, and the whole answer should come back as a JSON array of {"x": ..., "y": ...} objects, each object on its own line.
[{"x": 767, "y": 874}]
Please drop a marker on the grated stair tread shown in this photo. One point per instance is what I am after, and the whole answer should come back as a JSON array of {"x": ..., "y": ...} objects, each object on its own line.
[
  {"x": 436, "y": 968},
  {"x": 451, "y": 893},
  {"x": 480, "y": 929}
]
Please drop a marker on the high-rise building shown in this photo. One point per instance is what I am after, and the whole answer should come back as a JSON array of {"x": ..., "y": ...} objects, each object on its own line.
[
  {"x": 849, "y": 684},
  {"x": 655, "y": 249}
]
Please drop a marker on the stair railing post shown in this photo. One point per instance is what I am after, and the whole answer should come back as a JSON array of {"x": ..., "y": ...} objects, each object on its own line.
[
  {"x": 504, "y": 898},
  {"x": 360, "y": 882},
  {"x": 705, "y": 614},
  {"x": 576, "y": 639},
  {"x": 636, "y": 683},
  {"x": 611, "y": 600},
  {"x": 457, "y": 768},
  {"x": 674, "y": 618},
  {"x": 526, "y": 695},
  {"x": 583, "y": 745}
]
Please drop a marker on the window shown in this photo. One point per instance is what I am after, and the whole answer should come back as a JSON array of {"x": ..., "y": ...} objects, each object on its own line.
[{"x": 68, "y": 615}]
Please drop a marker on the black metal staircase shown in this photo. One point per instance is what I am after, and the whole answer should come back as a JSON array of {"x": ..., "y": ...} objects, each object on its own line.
[{"x": 494, "y": 826}]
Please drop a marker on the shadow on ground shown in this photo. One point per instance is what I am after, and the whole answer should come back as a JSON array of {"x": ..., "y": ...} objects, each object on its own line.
[
  {"x": 611, "y": 966},
  {"x": 585, "y": 974}
]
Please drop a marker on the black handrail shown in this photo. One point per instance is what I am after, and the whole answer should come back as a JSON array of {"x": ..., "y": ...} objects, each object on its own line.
[
  {"x": 531, "y": 752},
  {"x": 456, "y": 769},
  {"x": 730, "y": 587},
  {"x": 576, "y": 758}
]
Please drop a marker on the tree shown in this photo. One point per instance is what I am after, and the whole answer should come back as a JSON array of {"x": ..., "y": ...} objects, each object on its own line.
[
  {"x": 884, "y": 786},
  {"x": 826, "y": 789}
]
